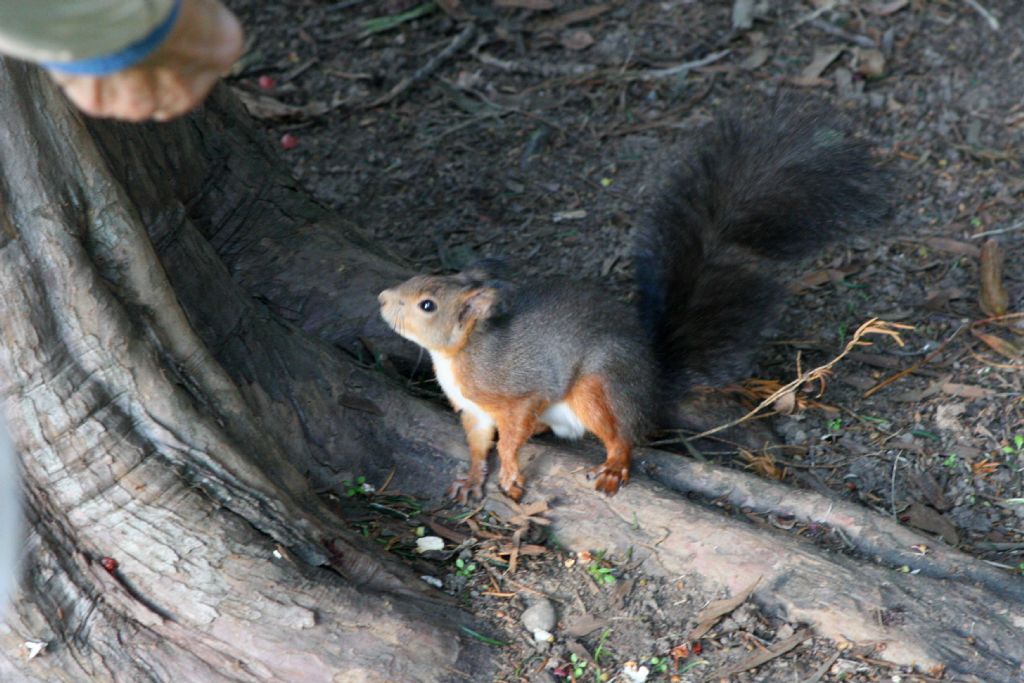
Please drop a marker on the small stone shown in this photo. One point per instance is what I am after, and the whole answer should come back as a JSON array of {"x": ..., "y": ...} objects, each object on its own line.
[
  {"x": 542, "y": 636},
  {"x": 428, "y": 543},
  {"x": 870, "y": 63},
  {"x": 433, "y": 581},
  {"x": 540, "y": 616},
  {"x": 634, "y": 673}
]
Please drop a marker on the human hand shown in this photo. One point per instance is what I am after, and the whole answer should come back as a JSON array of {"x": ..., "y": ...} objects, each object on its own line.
[{"x": 204, "y": 43}]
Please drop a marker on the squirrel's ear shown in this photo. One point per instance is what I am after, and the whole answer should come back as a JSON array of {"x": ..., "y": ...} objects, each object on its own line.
[
  {"x": 483, "y": 270},
  {"x": 479, "y": 303}
]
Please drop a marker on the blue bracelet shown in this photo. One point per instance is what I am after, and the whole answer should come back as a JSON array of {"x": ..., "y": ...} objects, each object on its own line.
[{"x": 122, "y": 59}]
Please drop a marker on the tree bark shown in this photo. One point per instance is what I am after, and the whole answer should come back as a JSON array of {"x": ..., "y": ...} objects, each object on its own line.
[
  {"x": 137, "y": 445},
  {"x": 181, "y": 361}
]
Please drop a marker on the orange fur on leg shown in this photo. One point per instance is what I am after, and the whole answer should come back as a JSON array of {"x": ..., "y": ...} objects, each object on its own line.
[
  {"x": 480, "y": 436},
  {"x": 589, "y": 400},
  {"x": 516, "y": 420}
]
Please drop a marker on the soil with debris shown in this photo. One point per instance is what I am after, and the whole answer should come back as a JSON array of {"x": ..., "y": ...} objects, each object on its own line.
[{"x": 535, "y": 131}]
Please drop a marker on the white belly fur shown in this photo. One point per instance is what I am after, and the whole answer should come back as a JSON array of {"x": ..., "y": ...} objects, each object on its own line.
[
  {"x": 563, "y": 421},
  {"x": 559, "y": 416},
  {"x": 446, "y": 378}
]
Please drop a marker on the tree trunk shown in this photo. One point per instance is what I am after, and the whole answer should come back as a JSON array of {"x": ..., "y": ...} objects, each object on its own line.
[
  {"x": 180, "y": 364},
  {"x": 137, "y": 445}
]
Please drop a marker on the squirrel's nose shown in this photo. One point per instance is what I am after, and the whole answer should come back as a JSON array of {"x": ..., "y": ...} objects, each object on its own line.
[{"x": 383, "y": 297}]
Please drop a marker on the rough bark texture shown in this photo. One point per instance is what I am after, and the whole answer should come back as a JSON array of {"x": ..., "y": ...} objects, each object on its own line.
[
  {"x": 137, "y": 445},
  {"x": 169, "y": 420}
]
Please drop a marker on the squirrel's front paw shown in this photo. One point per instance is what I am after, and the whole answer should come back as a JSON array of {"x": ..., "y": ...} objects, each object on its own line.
[
  {"x": 609, "y": 478},
  {"x": 464, "y": 488},
  {"x": 512, "y": 485}
]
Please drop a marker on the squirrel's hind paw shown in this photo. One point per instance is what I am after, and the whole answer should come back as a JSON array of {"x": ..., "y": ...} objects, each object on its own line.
[
  {"x": 609, "y": 478},
  {"x": 464, "y": 488},
  {"x": 512, "y": 485}
]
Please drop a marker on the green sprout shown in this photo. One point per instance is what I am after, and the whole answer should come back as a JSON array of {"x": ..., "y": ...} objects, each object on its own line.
[
  {"x": 579, "y": 665},
  {"x": 382, "y": 24},
  {"x": 359, "y": 487},
  {"x": 1017, "y": 448},
  {"x": 950, "y": 461},
  {"x": 600, "y": 645},
  {"x": 659, "y": 665},
  {"x": 603, "y": 576},
  {"x": 835, "y": 424},
  {"x": 463, "y": 568}
]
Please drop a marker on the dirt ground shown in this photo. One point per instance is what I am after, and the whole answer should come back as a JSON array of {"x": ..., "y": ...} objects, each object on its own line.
[{"x": 536, "y": 131}]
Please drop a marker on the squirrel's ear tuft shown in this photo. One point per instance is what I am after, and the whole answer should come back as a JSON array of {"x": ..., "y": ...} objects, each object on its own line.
[{"x": 479, "y": 303}]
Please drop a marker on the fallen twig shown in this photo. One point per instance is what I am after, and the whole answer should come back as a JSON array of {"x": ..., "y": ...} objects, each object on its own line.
[
  {"x": 814, "y": 14},
  {"x": 768, "y": 655},
  {"x": 388, "y": 23},
  {"x": 530, "y": 68},
  {"x": 996, "y": 343},
  {"x": 653, "y": 74},
  {"x": 999, "y": 231},
  {"x": 818, "y": 374},
  {"x": 553, "y": 70},
  {"x": 823, "y": 669},
  {"x": 913, "y": 368},
  {"x": 833, "y": 30},
  {"x": 992, "y": 22},
  {"x": 457, "y": 43}
]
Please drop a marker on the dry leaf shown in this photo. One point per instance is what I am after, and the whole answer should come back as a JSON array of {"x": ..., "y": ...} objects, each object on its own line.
[
  {"x": 569, "y": 18},
  {"x": 454, "y": 9},
  {"x": 870, "y": 62},
  {"x": 756, "y": 59},
  {"x": 269, "y": 109},
  {"x": 445, "y": 532},
  {"x": 584, "y": 625},
  {"x": 937, "y": 301},
  {"x": 786, "y": 404},
  {"x": 993, "y": 297},
  {"x": 965, "y": 390},
  {"x": 947, "y": 416},
  {"x": 953, "y": 246},
  {"x": 886, "y": 8},
  {"x": 763, "y": 465},
  {"x": 924, "y": 518},
  {"x": 717, "y": 609},
  {"x": 999, "y": 345},
  {"x": 820, "y": 277},
  {"x": 983, "y": 467},
  {"x": 576, "y": 39},
  {"x": 763, "y": 656},
  {"x": 538, "y": 5},
  {"x": 823, "y": 57}
]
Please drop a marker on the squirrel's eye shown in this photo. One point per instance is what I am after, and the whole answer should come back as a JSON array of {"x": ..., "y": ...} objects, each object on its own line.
[{"x": 428, "y": 305}]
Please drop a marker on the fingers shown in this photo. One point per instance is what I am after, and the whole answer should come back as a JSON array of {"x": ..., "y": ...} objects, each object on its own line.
[{"x": 204, "y": 44}]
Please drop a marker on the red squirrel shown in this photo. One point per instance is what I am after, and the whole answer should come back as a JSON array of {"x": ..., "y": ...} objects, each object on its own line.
[{"x": 518, "y": 358}]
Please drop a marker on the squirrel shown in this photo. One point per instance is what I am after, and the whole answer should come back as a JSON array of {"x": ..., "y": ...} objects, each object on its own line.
[{"x": 522, "y": 358}]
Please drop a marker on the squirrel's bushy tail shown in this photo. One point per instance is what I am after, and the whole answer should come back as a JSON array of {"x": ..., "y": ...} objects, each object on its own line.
[{"x": 767, "y": 188}]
